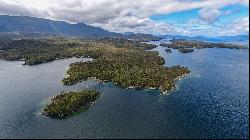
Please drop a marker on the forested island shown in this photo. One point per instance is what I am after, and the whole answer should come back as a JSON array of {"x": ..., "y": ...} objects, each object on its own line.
[
  {"x": 164, "y": 44},
  {"x": 69, "y": 103},
  {"x": 185, "y": 50},
  {"x": 123, "y": 62},
  {"x": 168, "y": 50},
  {"x": 183, "y": 43},
  {"x": 37, "y": 51}
]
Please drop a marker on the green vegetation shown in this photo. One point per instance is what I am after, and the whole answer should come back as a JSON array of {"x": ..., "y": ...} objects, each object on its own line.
[
  {"x": 126, "y": 67},
  {"x": 66, "y": 104},
  {"x": 40, "y": 51},
  {"x": 182, "y": 43},
  {"x": 125, "y": 63},
  {"x": 31, "y": 51},
  {"x": 185, "y": 50}
]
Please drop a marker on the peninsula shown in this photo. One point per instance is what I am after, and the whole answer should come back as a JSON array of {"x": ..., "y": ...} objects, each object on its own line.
[{"x": 124, "y": 62}]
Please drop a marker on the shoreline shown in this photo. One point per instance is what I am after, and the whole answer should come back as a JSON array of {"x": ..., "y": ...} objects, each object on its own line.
[
  {"x": 53, "y": 99},
  {"x": 179, "y": 78}
]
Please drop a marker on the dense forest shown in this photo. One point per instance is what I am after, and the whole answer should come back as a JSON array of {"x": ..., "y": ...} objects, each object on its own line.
[
  {"x": 39, "y": 51},
  {"x": 125, "y": 63},
  {"x": 68, "y": 103}
]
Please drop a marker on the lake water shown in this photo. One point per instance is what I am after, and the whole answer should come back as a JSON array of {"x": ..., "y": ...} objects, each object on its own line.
[{"x": 211, "y": 102}]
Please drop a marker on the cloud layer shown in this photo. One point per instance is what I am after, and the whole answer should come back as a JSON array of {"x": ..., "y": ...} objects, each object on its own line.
[{"x": 128, "y": 15}]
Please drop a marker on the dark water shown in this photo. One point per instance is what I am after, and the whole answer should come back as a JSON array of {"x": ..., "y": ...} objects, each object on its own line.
[{"x": 212, "y": 102}]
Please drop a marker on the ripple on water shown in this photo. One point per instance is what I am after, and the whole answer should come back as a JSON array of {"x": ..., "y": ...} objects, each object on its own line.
[{"x": 211, "y": 102}]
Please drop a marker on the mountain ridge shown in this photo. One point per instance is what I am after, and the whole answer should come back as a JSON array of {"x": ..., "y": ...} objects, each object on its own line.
[
  {"x": 34, "y": 25},
  {"x": 28, "y": 24}
]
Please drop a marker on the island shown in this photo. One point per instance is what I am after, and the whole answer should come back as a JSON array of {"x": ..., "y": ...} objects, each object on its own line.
[
  {"x": 69, "y": 103},
  {"x": 164, "y": 44},
  {"x": 185, "y": 50},
  {"x": 183, "y": 43},
  {"x": 168, "y": 50},
  {"x": 123, "y": 62}
]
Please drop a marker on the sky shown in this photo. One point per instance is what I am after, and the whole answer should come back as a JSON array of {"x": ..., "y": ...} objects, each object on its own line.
[{"x": 172, "y": 17}]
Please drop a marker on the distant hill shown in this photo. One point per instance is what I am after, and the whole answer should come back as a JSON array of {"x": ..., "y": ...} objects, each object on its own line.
[
  {"x": 234, "y": 38},
  {"x": 230, "y": 39},
  {"x": 25, "y": 24},
  {"x": 19, "y": 25},
  {"x": 141, "y": 37}
]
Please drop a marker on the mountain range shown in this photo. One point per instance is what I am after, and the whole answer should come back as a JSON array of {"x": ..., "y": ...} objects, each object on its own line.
[{"x": 33, "y": 25}]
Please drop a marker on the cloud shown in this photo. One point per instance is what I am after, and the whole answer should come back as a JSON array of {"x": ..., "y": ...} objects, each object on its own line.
[
  {"x": 14, "y": 9},
  {"x": 118, "y": 15},
  {"x": 239, "y": 26},
  {"x": 201, "y": 27},
  {"x": 209, "y": 15}
]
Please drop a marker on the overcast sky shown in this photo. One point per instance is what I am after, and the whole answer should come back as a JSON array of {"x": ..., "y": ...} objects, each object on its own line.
[{"x": 185, "y": 17}]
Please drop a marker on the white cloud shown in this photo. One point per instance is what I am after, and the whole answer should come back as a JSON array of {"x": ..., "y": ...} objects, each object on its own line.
[
  {"x": 117, "y": 15},
  {"x": 201, "y": 27},
  {"x": 209, "y": 15},
  {"x": 238, "y": 26}
]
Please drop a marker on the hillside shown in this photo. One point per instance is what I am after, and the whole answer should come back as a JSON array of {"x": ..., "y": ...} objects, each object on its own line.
[
  {"x": 25, "y": 24},
  {"x": 18, "y": 26}
]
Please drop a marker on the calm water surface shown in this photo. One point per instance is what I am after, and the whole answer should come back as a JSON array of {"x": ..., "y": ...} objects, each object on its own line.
[{"x": 211, "y": 102}]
